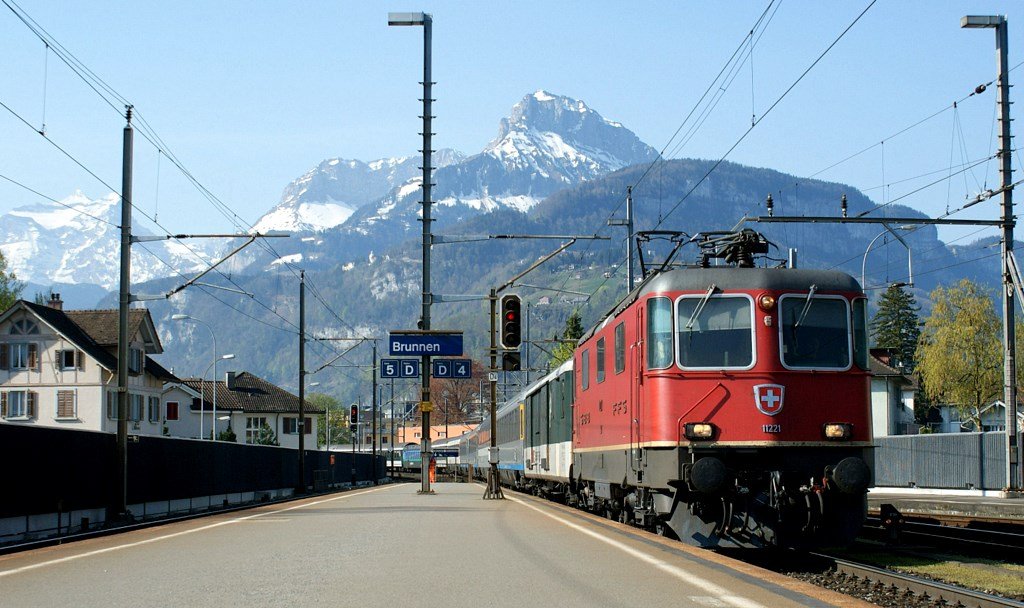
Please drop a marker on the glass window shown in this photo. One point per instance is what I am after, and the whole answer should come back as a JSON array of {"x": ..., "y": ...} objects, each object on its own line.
[
  {"x": 24, "y": 327},
  {"x": 620, "y": 348},
  {"x": 585, "y": 369},
  {"x": 659, "y": 333},
  {"x": 137, "y": 402},
  {"x": 821, "y": 339},
  {"x": 19, "y": 355},
  {"x": 154, "y": 409},
  {"x": 716, "y": 335},
  {"x": 860, "y": 333},
  {"x": 253, "y": 424},
  {"x": 600, "y": 360},
  {"x": 16, "y": 404}
]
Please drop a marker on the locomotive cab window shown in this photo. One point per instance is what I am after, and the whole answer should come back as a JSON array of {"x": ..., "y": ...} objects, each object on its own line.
[
  {"x": 715, "y": 332},
  {"x": 659, "y": 333},
  {"x": 860, "y": 333},
  {"x": 815, "y": 332}
]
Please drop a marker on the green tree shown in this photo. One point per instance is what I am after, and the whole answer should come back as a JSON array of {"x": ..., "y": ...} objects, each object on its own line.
[
  {"x": 227, "y": 434},
  {"x": 10, "y": 286},
  {"x": 338, "y": 418},
  {"x": 266, "y": 436},
  {"x": 896, "y": 326},
  {"x": 573, "y": 331},
  {"x": 959, "y": 352}
]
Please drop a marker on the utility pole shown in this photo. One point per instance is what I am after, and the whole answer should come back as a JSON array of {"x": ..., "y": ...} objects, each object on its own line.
[
  {"x": 375, "y": 404},
  {"x": 998, "y": 22},
  {"x": 391, "y": 442},
  {"x": 301, "y": 423},
  {"x": 493, "y": 482},
  {"x": 630, "y": 244},
  {"x": 124, "y": 300}
]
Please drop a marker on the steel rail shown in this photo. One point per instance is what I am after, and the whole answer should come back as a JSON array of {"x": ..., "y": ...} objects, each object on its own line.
[{"x": 951, "y": 594}]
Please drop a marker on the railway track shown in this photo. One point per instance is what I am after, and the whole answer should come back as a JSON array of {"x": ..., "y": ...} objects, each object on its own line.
[{"x": 923, "y": 589}]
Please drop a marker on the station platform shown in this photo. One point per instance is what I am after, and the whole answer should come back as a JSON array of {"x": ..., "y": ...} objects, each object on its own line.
[
  {"x": 938, "y": 503},
  {"x": 389, "y": 546}
]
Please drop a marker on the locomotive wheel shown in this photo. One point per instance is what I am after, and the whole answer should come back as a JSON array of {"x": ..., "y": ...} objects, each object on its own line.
[{"x": 624, "y": 516}]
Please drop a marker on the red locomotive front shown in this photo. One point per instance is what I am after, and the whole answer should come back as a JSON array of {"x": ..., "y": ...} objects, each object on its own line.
[{"x": 729, "y": 405}]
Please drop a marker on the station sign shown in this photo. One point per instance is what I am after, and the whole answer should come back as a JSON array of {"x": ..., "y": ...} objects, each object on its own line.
[
  {"x": 452, "y": 368},
  {"x": 399, "y": 368},
  {"x": 412, "y": 343}
]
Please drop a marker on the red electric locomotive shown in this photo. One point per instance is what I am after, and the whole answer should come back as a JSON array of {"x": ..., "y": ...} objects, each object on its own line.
[{"x": 728, "y": 404}]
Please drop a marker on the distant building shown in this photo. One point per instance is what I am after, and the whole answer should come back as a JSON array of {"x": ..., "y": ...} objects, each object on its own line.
[
  {"x": 245, "y": 404},
  {"x": 58, "y": 368},
  {"x": 892, "y": 397},
  {"x": 414, "y": 434}
]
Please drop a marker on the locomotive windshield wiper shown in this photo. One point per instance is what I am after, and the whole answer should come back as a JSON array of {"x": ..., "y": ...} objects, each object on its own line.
[
  {"x": 700, "y": 306},
  {"x": 807, "y": 305}
]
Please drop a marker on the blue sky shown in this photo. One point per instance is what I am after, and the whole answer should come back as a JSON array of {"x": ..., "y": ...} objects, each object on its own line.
[{"x": 252, "y": 94}]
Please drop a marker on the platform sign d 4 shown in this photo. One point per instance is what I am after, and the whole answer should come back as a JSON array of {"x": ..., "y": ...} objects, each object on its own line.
[{"x": 452, "y": 368}]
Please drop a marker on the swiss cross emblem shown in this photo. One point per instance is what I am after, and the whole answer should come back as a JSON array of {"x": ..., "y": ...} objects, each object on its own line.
[{"x": 768, "y": 398}]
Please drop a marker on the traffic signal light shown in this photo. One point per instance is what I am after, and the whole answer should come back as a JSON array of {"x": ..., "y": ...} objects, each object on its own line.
[
  {"x": 510, "y": 362},
  {"x": 511, "y": 321},
  {"x": 353, "y": 416}
]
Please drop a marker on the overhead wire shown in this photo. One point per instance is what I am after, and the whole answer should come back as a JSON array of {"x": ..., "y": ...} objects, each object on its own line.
[{"x": 106, "y": 92}]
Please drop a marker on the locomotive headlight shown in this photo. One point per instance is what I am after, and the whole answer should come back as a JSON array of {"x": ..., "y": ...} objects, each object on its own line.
[
  {"x": 700, "y": 430},
  {"x": 766, "y": 302},
  {"x": 838, "y": 430}
]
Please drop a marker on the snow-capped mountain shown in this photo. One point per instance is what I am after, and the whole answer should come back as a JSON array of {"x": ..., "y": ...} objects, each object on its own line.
[
  {"x": 77, "y": 241},
  {"x": 547, "y": 143},
  {"x": 330, "y": 192}
]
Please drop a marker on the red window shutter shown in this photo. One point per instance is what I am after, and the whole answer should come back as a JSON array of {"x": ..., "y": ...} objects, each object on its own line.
[
  {"x": 3, "y": 405},
  {"x": 32, "y": 404},
  {"x": 5, "y": 351},
  {"x": 309, "y": 425},
  {"x": 33, "y": 355}
]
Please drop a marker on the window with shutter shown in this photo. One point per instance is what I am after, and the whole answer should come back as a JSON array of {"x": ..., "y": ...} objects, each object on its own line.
[
  {"x": 33, "y": 356},
  {"x": 308, "y": 425},
  {"x": 154, "y": 409},
  {"x": 19, "y": 355},
  {"x": 32, "y": 399},
  {"x": 5, "y": 350},
  {"x": 172, "y": 410},
  {"x": 66, "y": 404},
  {"x": 3, "y": 405},
  {"x": 111, "y": 406},
  {"x": 79, "y": 359}
]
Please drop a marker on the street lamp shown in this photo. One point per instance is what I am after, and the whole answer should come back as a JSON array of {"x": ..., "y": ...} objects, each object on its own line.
[
  {"x": 183, "y": 317},
  {"x": 327, "y": 422},
  {"x": 425, "y": 20},
  {"x": 213, "y": 418}
]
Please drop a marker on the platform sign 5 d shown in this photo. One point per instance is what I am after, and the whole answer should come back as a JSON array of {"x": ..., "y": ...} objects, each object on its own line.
[
  {"x": 452, "y": 368},
  {"x": 399, "y": 368},
  {"x": 425, "y": 343}
]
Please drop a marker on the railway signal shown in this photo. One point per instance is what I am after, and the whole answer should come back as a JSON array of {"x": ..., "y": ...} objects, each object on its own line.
[
  {"x": 510, "y": 362},
  {"x": 511, "y": 322},
  {"x": 353, "y": 417}
]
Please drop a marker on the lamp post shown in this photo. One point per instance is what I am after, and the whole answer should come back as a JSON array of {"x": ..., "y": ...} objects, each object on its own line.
[
  {"x": 998, "y": 22},
  {"x": 213, "y": 386},
  {"x": 327, "y": 419},
  {"x": 426, "y": 21},
  {"x": 183, "y": 317}
]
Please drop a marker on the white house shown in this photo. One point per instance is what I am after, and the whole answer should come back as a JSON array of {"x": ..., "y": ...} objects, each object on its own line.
[
  {"x": 58, "y": 368},
  {"x": 892, "y": 397},
  {"x": 245, "y": 404}
]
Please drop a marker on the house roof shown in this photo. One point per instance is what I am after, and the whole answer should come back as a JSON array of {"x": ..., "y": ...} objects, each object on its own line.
[
  {"x": 102, "y": 326},
  {"x": 251, "y": 394},
  {"x": 77, "y": 327},
  {"x": 877, "y": 368}
]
